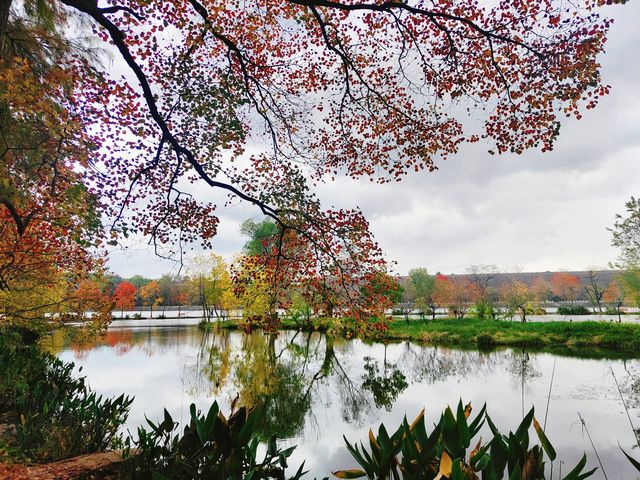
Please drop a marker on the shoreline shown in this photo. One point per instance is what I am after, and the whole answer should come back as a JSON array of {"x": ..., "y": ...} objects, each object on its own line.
[{"x": 593, "y": 339}]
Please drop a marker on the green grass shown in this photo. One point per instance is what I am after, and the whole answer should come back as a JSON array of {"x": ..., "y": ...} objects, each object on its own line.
[{"x": 592, "y": 339}]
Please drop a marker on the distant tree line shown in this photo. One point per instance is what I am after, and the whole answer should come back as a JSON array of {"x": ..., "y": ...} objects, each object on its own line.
[
  {"x": 487, "y": 292},
  {"x": 218, "y": 288}
]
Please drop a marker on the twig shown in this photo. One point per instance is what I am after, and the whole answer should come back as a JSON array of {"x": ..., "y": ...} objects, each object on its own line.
[
  {"x": 546, "y": 412},
  {"x": 584, "y": 425},
  {"x": 624, "y": 404}
]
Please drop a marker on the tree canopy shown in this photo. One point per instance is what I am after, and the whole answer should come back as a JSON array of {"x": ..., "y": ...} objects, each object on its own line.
[
  {"x": 626, "y": 235},
  {"x": 50, "y": 220},
  {"x": 262, "y": 101}
]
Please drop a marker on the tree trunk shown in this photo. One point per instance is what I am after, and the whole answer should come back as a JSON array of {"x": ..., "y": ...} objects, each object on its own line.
[
  {"x": 328, "y": 355},
  {"x": 272, "y": 350},
  {"x": 524, "y": 314},
  {"x": 5, "y": 7}
]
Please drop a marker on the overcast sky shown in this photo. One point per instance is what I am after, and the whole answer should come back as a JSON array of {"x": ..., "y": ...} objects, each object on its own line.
[{"x": 533, "y": 212}]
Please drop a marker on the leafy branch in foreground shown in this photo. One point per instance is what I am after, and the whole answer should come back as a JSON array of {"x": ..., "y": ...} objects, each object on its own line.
[
  {"x": 211, "y": 446},
  {"x": 412, "y": 453}
]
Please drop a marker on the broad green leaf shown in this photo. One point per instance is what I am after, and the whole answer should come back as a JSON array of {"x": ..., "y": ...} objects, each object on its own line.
[
  {"x": 633, "y": 461},
  {"x": 493, "y": 428},
  {"x": 450, "y": 431},
  {"x": 478, "y": 421},
  {"x": 456, "y": 470},
  {"x": 544, "y": 440},
  {"x": 463, "y": 428},
  {"x": 481, "y": 462},
  {"x": 524, "y": 425},
  {"x": 576, "y": 473},
  {"x": 515, "y": 473}
]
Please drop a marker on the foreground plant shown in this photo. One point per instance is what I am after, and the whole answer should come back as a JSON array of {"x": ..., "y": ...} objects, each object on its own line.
[
  {"x": 412, "y": 453},
  {"x": 57, "y": 416},
  {"x": 211, "y": 446}
]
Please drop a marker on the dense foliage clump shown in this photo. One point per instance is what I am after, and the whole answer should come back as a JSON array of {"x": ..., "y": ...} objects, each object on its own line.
[{"x": 55, "y": 413}]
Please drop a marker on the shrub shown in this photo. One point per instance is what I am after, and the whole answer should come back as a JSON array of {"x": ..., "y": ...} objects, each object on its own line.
[
  {"x": 484, "y": 310},
  {"x": 485, "y": 340},
  {"x": 211, "y": 446},
  {"x": 536, "y": 311},
  {"x": 574, "y": 310},
  {"x": 412, "y": 453},
  {"x": 57, "y": 415}
]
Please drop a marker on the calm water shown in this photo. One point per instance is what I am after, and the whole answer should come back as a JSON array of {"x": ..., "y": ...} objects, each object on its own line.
[{"x": 317, "y": 389}]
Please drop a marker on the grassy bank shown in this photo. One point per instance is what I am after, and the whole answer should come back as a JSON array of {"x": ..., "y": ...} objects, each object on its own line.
[{"x": 615, "y": 337}]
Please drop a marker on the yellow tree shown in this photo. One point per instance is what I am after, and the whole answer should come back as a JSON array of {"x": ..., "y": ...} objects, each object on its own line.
[
  {"x": 517, "y": 297},
  {"x": 150, "y": 294},
  {"x": 254, "y": 292},
  {"x": 211, "y": 283}
]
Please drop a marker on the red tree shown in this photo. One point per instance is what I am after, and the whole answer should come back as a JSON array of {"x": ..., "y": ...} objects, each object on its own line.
[
  {"x": 125, "y": 297},
  {"x": 442, "y": 292},
  {"x": 565, "y": 286}
]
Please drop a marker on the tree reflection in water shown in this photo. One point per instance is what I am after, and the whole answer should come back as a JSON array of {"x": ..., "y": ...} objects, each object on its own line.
[
  {"x": 297, "y": 376},
  {"x": 385, "y": 386},
  {"x": 522, "y": 369},
  {"x": 287, "y": 374},
  {"x": 281, "y": 374},
  {"x": 435, "y": 364}
]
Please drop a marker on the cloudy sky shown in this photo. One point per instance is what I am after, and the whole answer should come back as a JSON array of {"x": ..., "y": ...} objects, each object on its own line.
[{"x": 532, "y": 212}]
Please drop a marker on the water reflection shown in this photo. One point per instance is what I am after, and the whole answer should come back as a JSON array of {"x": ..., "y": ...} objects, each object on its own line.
[
  {"x": 384, "y": 384},
  {"x": 314, "y": 389}
]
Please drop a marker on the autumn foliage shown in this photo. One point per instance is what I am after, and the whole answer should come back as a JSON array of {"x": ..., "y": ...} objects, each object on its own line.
[
  {"x": 565, "y": 286},
  {"x": 457, "y": 294},
  {"x": 317, "y": 88},
  {"x": 125, "y": 296},
  {"x": 49, "y": 220},
  {"x": 336, "y": 274}
]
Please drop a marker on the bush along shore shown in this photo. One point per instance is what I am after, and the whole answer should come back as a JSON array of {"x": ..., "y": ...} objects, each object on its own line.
[
  {"x": 48, "y": 412},
  {"x": 617, "y": 338}
]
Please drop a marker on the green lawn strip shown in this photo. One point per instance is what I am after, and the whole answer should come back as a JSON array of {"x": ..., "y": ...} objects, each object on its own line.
[{"x": 611, "y": 339}]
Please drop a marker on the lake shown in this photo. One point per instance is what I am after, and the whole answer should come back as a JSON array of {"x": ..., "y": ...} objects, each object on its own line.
[{"x": 316, "y": 388}]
